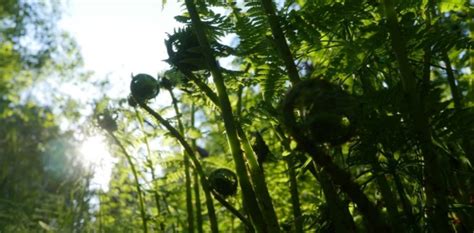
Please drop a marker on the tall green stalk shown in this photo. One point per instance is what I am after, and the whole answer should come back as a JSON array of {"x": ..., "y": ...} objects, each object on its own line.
[
  {"x": 135, "y": 176},
  {"x": 387, "y": 194},
  {"x": 256, "y": 173},
  {"x": 436, "y": 191},
  {"x": 340, "y": 215},
  {"x": 189, "y": 150},
  {"x": 197, "y": 199},
  {"x": 280, "y": 41},
  {"x": 197, "y": 195},
  {"x": 295, "y": 200},
  {"x": 188, "y": 181},
  {"x": 320, "y": 155},
  {"x": 189, "y": 198},
  {"x": 230, "y": 126},
  {"x": 149, "y": 164},
  {"x": 258, "y": 178},
  {"x": 455, "y": 93},
  {"x": 168, "y": 211},
  {"x": 197, "y": 165},
  {"x": 406, "y": 205},
  {"x": 458, "y": 103},
  {"x": 427, "y": 54},
  {"x": 100, "y": 212}
]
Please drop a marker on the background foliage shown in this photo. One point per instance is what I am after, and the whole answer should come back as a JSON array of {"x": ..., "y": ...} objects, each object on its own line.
[{"x": 397, "y": 72}]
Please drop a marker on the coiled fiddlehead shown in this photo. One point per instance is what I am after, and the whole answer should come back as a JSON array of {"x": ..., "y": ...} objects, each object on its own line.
[
  {"x": 326, "y": 112},
  {"x": 184, "y": 51},
  {"x": 308, "y": 99}
]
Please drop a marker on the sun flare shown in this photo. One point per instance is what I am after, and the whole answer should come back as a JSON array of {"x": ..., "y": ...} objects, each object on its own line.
[{"x": 96, "y": 156}]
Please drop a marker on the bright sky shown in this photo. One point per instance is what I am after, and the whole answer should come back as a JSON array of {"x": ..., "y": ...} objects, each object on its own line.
[{"x": 116, "y": 38}]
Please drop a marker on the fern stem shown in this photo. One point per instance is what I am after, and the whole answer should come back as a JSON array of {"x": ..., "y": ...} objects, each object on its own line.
[
  {"x": 295, "y": 200},
  {"x": 251, "y": 157},
  {"x": 458, "y": 103},
  {"x": 255, "y": 171},
  {"x": 233, "y": 210},
  {"x": 229, "y": 123},
  {"x": 258, "y": 178},
  {"x": 455, "y": 93},
  {"x": 204, "y": 183},
  {"x": 196, "y": 181},
  {"x": 189, "y": 197},
  {"x": 188, "y": 149},
  {"x": 203, "y": 86},
  {"x": 197, "y": 199},
  {"x": 435, "y": 183},
  {"x": 280, "y": 41},
  {"x": 135, "y": 176},
  {"x": 322, "y": 159},
  {"x": 427, "y": 55},
  {"x": 407, "y": 209},
  {"x": 387, "y": 193},
  {"x": 407, "y": 79},
  {"x": 340, "y": 215},
  {"x": 149, "y": 164}
]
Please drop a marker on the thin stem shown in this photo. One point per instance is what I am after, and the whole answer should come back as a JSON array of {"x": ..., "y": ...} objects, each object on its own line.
[
  {"x": 258, "y": 178},
  {"x": 401, "y": 192},
  {"x": 189, "y": 198},
  {"x": 342, "y": 219},
  {"x": 436, "y": 190},
  {"x": 239, "y": 102},
  {"x": 322, "y": 158},
  {"x": 100, "y": 212},
  {"x": 387, "y": 194},
  {"x": 197, "y": 198},
  {"x": 280, "y": 41},
  {"x": 458, "y": 104},
  {"x": 339, "y": 213},
  {"x": 197, "y": 194},
  {"x": 203, "y": 86},
  {"x": 455, "y": 93},
  {"x": 151, "y": 167},
  {"x": 229, "y": 123},
  {"x": 187, "y": 147},
  {"x": 427, "y": 54},
  {"x": 251, "y": 157},
  {"x": 295, "y": 200},
  {"x": 135, "y": 176},
  {"x": 397, "y": 41},
  {"x": 168, "y": 211},
  {"x": 257, "y": 175},
  {"x": 233, "y": 210}
]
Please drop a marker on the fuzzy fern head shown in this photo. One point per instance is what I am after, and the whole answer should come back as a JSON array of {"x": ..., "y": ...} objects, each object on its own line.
[{"x": 184, "y": 51}]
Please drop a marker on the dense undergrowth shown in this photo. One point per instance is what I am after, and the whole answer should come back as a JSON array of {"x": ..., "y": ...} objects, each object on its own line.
[{"x": 333, "y": 116}]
